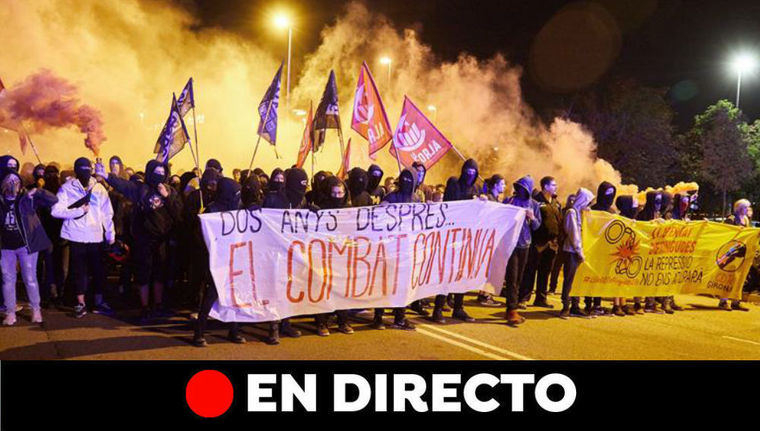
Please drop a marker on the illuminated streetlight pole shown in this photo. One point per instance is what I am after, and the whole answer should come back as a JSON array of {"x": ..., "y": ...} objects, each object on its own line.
[
  {"x": 282, "y": 21},
  {"x": 742, "y": 64},
  {"x": 387, "y": 61}
]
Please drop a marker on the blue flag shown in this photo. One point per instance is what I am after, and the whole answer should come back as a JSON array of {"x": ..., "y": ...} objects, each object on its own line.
[
  {"x": 186, "y": 100},
  {"x": 174, "y": 135},
  {"x": 268, "y": 110},
  {"x": 326, "y": 116}
]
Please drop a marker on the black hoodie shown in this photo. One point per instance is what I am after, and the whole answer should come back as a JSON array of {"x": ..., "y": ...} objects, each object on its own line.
[
  {"x": 315, "y": 195},
  {"x": 8, "y": 163},
  {"x": 651, "y": 209},
  {"x": 292, "y": 196},
  {"x": 462, "y": 188},
  {"x": 405, "y": 191},
  {"x": 624, "y": 204},
  {"x": 251, "y": 193},
  {"x": 605, "y": 196},
  {"x": 357, "y": 186},
  {"x": 154, "y": 216},
  {"x": 375, "y": 190},
  {"x": 667, "y": 206},
  {"x": 330, "y": 202},
  {"x": 227, "y": 196}
]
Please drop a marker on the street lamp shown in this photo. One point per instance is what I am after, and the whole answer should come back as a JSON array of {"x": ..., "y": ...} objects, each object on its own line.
[
  {"x": 282, "y": 21},
  {"x": 433, "y": 109},
  {"x": 742, "y": 64},
  {"x": 387, "y": 61}
]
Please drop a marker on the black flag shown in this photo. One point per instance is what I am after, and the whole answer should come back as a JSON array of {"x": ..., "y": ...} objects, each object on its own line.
[{"x": 326, "y": 116}]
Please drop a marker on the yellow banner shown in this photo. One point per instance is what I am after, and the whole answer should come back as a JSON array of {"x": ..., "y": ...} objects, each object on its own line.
[{"x": 629, "y": 258}]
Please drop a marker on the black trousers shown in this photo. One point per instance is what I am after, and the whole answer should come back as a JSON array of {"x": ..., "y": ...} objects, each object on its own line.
[
  {"x": 440, "y": 301},
  {"x": 515, "y": 271},
  {"x": 399, "y": 314},
  {"x": 537, "y": 272},
  {"x": 86, "y": 260},
  {"x": 50, "y": 270},
  {"x": 571, "y": 263},
  {"x": 556, "y": 268},
  {"x": 210, "y": 295},
  {"x": 322, "y": 319}
]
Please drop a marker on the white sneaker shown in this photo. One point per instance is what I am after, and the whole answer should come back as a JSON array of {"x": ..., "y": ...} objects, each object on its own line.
[
  {"x": 36, "y": 316},
  {"x": 10, "y": 319},
  {"x": 19, "y": 307}
]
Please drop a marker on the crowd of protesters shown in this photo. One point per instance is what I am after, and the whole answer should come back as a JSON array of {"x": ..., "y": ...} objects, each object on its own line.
[{"x": 67, "y": 231}]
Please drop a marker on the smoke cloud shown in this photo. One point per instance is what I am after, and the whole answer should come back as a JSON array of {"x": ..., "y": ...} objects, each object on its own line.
[{"x": 127, "y": 58}]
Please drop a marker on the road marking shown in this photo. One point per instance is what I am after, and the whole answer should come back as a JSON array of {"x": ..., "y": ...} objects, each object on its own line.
[
  {"x": 742, "y": 340},
  {"x": 462, "y": 345},
  {"x": 477, "y": 342}
]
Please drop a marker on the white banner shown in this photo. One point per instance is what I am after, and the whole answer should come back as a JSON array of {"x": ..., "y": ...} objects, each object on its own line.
[{"x": 269, "y": 264}]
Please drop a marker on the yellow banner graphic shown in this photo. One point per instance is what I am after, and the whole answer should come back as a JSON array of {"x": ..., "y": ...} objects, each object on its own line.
[{"x": 626, "y": 258}]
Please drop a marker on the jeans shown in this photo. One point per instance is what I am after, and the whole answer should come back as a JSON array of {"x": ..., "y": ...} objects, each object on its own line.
[
  {"x": 536, "y": 272},
  {"x": 86, "y": 259},
  {"x": 571, "y": 263},
  {"x": 28, "y": 263},
  {"x": 515, "y": 270}
]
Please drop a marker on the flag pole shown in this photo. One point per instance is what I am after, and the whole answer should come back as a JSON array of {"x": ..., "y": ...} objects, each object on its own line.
[
  {"x": 340, "y": 137},
  {"x": 258, "y": 140},
  {"x": 31, "y": 143},
  {"x": 395, "y": 152},
  {"x": 462, "y": 157},
  {"x": 196, "y": 154}
]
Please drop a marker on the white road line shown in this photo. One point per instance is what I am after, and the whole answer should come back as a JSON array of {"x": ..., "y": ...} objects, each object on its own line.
[
  {"x": 742, "y": 340},
  {"x": 477, "y": 342},
  {"x": 462, "y": 345}
]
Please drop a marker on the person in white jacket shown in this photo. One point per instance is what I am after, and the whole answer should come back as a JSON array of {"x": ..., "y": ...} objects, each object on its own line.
[
  {"x": 572, "y": 249},
  {"x": 87, "y": 215}
]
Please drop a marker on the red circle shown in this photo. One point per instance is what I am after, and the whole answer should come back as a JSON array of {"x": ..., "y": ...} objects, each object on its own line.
[{"x": 209, "y": 393}]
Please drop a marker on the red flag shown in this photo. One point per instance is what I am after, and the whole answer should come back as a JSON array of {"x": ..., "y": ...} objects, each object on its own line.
[
  {"x": 369, "y": 118},
  {"x": 23, "y": 141},
  {"x": 2, "y": 87},
  {"x": 417, "y": 139},
  {"x": 306, "y": 144},
  {"x": 343, "y": 171}
]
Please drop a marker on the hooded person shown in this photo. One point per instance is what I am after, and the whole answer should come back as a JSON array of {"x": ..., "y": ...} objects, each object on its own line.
[
  {"x": 523, "y": 188},
  {"x": 667, "y": 205},
  {"x": 276, "y": 180},
  {"x": 87, "y": 215},
  {"x": 605, "y": 197},
  {"x": 214, "y": 164},
  {"x": 572, "y": 250},
  {"x": 462, "y": 188},
  {"x": 627, "y": 205},
  {"x": 544, "y": 245},
  {"x": 357, "y": 187},
  {"x": 38, "y": 175},
  {"x": 292, "y": 197},
  {"x": 51, "y": 284},
  {"x": 652, "y": 207},
  {"x": 314, "y": 195},
  {"x": 420, "y": 171},
  {"x": 8, "y": 163},
  {"x": 22, "y": 237},
  {"x": 739, "y": 217},
  {"x": 403, "y": 194},
  {"x": 228, "y": 198},
  {"x": 156, "y": 212},
  {"x": 251, "y": 193},
  {"x": 374, "y": 188}
]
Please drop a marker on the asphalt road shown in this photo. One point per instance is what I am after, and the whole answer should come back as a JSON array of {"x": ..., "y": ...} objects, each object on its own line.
[{"x": 699, "y": 332}]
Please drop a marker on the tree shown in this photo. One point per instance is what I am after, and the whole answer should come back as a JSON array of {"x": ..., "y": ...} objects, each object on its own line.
[
  {"x": 716, "y": 149},
  {"x": 633, "y": 127}
]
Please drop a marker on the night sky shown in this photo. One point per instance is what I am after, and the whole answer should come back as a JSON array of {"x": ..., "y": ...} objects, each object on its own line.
[{"x": 681, "y": 46}]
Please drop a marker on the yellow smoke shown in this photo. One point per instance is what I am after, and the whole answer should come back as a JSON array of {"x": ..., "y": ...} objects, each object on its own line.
[{"x": 128, "y": 56}]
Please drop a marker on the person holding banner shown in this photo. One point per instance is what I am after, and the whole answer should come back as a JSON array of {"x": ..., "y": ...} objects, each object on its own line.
[
  {"x": 458, "y": 189},
  {"x": 628, "y": 207},
  {"x": 292, "y": 196},
  {"x": 652, "y": 211},
  {"x": 495, "y": 186},
  {"x": 523, "y": 189},
  {"x": 740, "y": 217},
  {"x": 572, "y": 251},
  {"x": 605, "y": 196},
  {"x": 227, "y": 199},
  {"x": 337, "y": 198},
  {"x": 375, "y": 190},
  {"x": 404, "y": 194}
]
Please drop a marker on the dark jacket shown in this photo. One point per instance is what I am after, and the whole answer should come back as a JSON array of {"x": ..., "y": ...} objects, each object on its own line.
[
  {"x": 293, "y": 195},
  {"x": 526, "y": 185},
  {"x": 551, "y": 220},
  {"x": 330, "y": 202},
  {"x": 31, "y": 228},
  {"x": 462, "y": 188},
  {"x": 624, "y": 204},
  {"x": 407, "y": 183},
  {"x": 375, "y": 190},
  {"x": 357, "y": 186},
  {"x": 153, "y": 216},
  {"x": 651, "y": 209},
  {"x": 227, "y": 196}
]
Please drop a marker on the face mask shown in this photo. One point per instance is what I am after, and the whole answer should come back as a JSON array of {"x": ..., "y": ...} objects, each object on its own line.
[
  {"x": 405, "y": 184},
  {"x": 83, "y": 175},
  {"x": 157, "y": 177}
]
